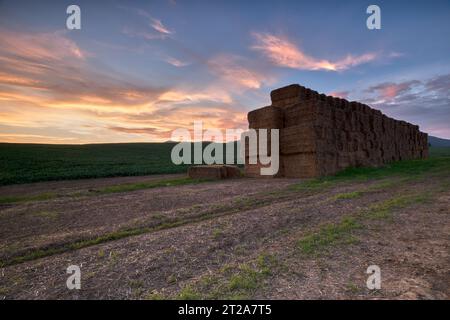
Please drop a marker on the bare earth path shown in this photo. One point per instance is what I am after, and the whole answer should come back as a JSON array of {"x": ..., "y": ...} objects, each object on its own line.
[{"x": 243, "y": 238}]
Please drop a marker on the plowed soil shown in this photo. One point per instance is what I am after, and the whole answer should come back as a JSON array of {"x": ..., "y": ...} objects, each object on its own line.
[{"x": 240, "y": 238}]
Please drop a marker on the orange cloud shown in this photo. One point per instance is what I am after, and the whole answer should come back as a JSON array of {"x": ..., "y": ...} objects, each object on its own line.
[
  {"x": 61, "y": 73},
  {"x": 34, "y": 138},
  {"x": 390, "y": 90},
  {"x": 50, "y": 92},
  {"x": 185, "y": 96},
  {"x": 237, "y": 73},
  {"x": 40, "y": 47},
  {"x": 284, "y": 53},
  {"x": 17, "y": 80}
]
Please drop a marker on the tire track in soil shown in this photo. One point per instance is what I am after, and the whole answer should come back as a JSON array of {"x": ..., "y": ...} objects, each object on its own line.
[
  {"x": 183, "y": 253},
  {"x": 23, "y": 229}
]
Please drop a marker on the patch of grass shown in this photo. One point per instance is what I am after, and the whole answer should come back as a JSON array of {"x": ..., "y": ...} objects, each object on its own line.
[
  {"x": 232, "y": 282},
  {"x": 3, "y": 291},
  {"x": 226, "y": 268},
  {"x": 136, "y": 284},
  {"x": 380, "y": 186},
  {"x": 352, "y": 288},
  {"x": 158, "y": 216},
  {"x": 113, "y": 257},
  {"x": 341, "y": 233},
  {"x": 318, "y": 184},
  {"x": 245, "y": 203},
  {"x": 217, "y": 233},
  {"x": 45, "y": 252},
  {"x": 208, "y": 281},
  {"x": 17, "y": 280},
  {"x": 245, "y": 280},
  {"x": 47, "y": 214},
  {"x": 407, "y": 168},
  {"x": 251, "y": 202},
  {"x": 348, "y": 195},
  {"x": 171, "y": 279},
  {"x": 241, "y": 283},
  {"x": 445, "y": 186},
  {"x": 383, "y": 210},
  {"x": 127, "y": 187},
  {"x": 35, "y": 254},
  {"x": 384, "y": 185},
  {"x": 266, "y": 262},
  {"x": 188, "y": 293},
  {"x": 329, "y": 235},
  {"x": 27, "y": 198},
  {"x": 101, "y": 253},
  {"x": 154, "y": 295}
]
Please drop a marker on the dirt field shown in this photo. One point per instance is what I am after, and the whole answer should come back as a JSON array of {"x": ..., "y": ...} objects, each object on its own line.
[{"x": 242, "y": 238}]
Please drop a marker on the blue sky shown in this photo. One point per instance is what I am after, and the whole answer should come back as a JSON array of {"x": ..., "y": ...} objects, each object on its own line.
[{"x": 137, "y": 70}]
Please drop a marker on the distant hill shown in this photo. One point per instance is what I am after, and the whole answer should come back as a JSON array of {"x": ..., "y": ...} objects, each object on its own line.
[{"x": 438, "y": 142}]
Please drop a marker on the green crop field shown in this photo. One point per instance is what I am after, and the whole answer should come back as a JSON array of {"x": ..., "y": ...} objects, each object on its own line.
[{"x": 22, "y": 163}]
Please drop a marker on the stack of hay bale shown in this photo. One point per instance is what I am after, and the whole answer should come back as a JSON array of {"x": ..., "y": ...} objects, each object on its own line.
[
  {"x": 264, "y": 118},
  {"x": 321, "y": 135}
]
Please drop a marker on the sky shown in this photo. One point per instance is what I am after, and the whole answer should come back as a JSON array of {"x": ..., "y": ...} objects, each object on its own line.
[{"x": 138, "y": 70}]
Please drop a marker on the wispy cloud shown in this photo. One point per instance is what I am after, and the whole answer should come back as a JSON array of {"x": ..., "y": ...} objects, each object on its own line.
[
  {"x": 439, "y": 84},
  {"x": 41, "y": 46},
  {"x": 181, "y": 96},
  {"x": 236, "y": 71},
  {"x": 142, "y": 34},
  {"x": 425, "y": 102},
  {"x": 226, "y": 67},
  {"x": 155, "y": 23},
  {"x": 135, "y": 130},
  {"x": 175, "y": 62},
  {"x": 390, "y": 90},
  {"x": 282, "y": 52},
  {"x": 395, "y": 54},
  {"x": 158, "y": 26}
]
